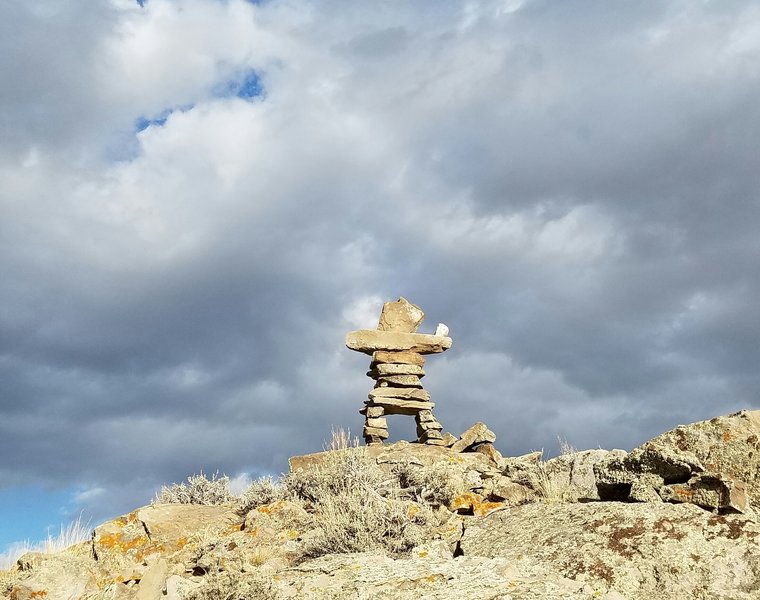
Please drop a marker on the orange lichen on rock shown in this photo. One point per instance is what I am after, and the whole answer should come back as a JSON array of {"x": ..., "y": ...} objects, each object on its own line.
[
  {"x": 483, "y": 509},
  {"x": 464, "y": 503},
  {"x": 117, "y": 541}
]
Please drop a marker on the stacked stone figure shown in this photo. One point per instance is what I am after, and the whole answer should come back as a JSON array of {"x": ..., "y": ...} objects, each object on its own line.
[{"x": 397, "y": 360}]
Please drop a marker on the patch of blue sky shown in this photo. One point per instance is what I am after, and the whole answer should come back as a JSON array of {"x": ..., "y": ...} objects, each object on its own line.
[
  {"x": 31, "y": 512},
  {"x": 141, "y": 2},
  {"x": 142, "y": 122},
  {"x": 247, "y": 86}
]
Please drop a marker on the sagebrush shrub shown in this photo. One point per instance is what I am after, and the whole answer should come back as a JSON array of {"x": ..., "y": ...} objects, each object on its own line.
[
  {"x": 263, "y": 490},
  {"x": 340, "y": 471},
  {"x": 437, "y": 484},
  {"x": 359, "y": 520},
  {"x": 199, "y": 489},
  {"x": 235, "y": 586}
]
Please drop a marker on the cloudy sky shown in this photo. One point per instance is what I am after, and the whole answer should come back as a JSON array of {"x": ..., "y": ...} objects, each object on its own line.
[{"x": 199, "y": 198}]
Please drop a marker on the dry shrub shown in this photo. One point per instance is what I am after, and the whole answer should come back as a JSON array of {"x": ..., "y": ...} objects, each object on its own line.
[
  {"x": 262, "y": 491},
  {"x": 199, "y": 489},
  {"x": 437, "y": 484},
  {"x": 235, "y": 586},
  {"x": 357, "y": 505},
  {"x": 359, "y": 520},
  {"x": 340, "y": 472}
]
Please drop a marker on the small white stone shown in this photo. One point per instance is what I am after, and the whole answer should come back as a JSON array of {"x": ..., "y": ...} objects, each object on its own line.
[{"x": 442, "y": 330}]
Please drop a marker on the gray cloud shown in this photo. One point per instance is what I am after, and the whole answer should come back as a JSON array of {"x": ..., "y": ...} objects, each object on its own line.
[{"x": 571, "y": 188}]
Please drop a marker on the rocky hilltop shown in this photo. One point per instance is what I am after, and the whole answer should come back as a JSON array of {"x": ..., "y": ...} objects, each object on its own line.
[{"x": 673, "y": 518}]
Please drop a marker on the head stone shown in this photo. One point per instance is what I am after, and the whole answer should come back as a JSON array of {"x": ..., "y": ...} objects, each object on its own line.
[{"x": 401, "y": 316}]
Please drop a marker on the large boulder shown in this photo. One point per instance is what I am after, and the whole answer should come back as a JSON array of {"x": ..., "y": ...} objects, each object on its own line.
[
  {"x": 573, "y": 473},
  {"x": 722, "y": 453},
  {"x": 637, "y": 551}
]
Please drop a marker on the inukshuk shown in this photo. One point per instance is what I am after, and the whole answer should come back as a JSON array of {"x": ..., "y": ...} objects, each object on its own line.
[{"x": 397, "y": 360}]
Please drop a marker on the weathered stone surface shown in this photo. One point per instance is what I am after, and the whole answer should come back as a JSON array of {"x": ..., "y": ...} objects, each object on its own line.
[
  {"x": 379, "y": 422},
  {"x": 129, "y": 544},
  {"x": 401, "y": 393},
  {"x": 402, "y": 316},
  {"x": 477, "y": 434},
  {"x": 372, "y": 411},
  {"x": 55, "y": 577},
  {"x": 369, "y": 341},
  {"x": 430, "y": 434},
  {"x": 727, "y": 447},
  {"x": 381, "y": 433},
  {"x": 424, "y": 416},
  {"x": 396, "y": 406},
  {"x": 661, "y": 551},
  {"x": 426, "y": 425},
  {"x": 153, "y": 581},
  {"x": 575, "y": 472},
  {"x": 709, "y": 491},
  {"x": 490, "y": 451},
  {"x": 400, "y": 358},
  {"x": 432, "y": 441},
  {"x": 449, "y": 439},
  {"x": 511, "y": 492},
  {"x": 403, "y": 381},
  {"x": 428, "y": 576},
  {"x": 177, "y": 587},
  {"x": 381, "y": 370},
  {"x": 171, "y": 524}
]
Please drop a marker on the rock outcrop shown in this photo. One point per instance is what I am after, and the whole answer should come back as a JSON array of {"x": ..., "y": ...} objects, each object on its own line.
[
  {"x": 714, "y": 464},
  {"x": 674, "y": 518}
]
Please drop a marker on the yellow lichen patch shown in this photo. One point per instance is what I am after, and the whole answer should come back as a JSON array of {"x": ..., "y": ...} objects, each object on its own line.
[
  {"x": 412, "y": 510},
  {"x": 465, "y": 502},
  {"x": 148, "y": 549},
  {"x": 268, "y": 509},
  {"x": 291, "y": 534},
  {"x": 116, "y": 541},
  {"x": 484, "y": 509},
  {"x": 234, "y": 528},
  {"x": 38, "y": 594}
]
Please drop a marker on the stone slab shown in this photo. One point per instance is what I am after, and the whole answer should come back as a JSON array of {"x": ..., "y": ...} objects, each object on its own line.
[
  {"x": 400, "y": 393},
  {"x": 477, "y": 434},
  {"x": 398, "y": 358},
  {"x": 405, "y": 381},
  {"x": 379, "y": 422},
  {"x": 376, "y": 432},
  {"x": 396, "y": 406},
  {"x": 372, "y": 411},
  {"x": 370, "y": 341},
  {"x": 395, "y": 369}
]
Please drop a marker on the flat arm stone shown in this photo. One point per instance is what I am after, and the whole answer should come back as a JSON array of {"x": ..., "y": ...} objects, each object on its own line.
[{"x": 369, "y": 341}]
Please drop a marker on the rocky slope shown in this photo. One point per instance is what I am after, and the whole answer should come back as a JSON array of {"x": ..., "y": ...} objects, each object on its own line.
[{"x": 674, "y": 518}]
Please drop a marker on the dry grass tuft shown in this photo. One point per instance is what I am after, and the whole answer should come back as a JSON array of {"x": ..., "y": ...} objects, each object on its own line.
[
  {"x": 75, "y": 532},
  {"x": 548, "y": 488}
]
